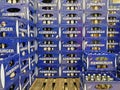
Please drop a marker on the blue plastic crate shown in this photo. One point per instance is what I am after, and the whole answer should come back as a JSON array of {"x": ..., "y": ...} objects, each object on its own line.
[
  {"x": 20, "y": 11},
  {"x": 71, "y": 31},
  {"x": 95, "y": 31},
  {"x": 113, "y": 32},
  {"x": 48, "y": 45},
  {"x": 10, "y": 2},
  {"x": 71, "y": 44},
  {"x": 71, "y": 70},
  {"x": 113, "y": 20},
  {"x": 100, "y": 61},
  {"x": 47, "y": 18},
  {"x": 49, "y": 32},
  {"x": 51, "y": 70},
  {"x": 95, "y": 44},
  {"x": 96, "y": 5},
  {"x": 10, "y": 69},
  {"x": 71, "y": 18},
  {"x": 96, "y": 17},
  {"x": 113, "y": 45},
  {"x": 51, "y": 5},
  {"x": 13, "y": 27},
  {"x": 107, "y": 81},
  {"x": 48, "y": 58},
  {"x": 71, "y": 57},
  {"x": 69, "y": 5}
]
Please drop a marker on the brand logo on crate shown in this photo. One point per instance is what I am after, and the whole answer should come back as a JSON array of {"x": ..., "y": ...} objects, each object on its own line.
[
  {"x": 100, "y": 45},
  {"x": 72, "y": 4},
  {"x": 96, "y": 4},
  {"x": 71, "y": 58},
  {"x": 95, "y": 31},
  {"x": 71, "y": 71},
  {"x": 47, "y": 18},
  {"x": 13, "y": 14},
  {"x": 113, "y": 32},
  {"x": 48, "y": 58},
  {"x": 47, "y": 5},
  {"x": 107, "y": 63},
  {"x": 47, "y": 45},
  {"x": 47, "y": 32},
  {"x": 73, "y": 45},
  {"x": 6, "y": 29},
  {"x": 48, "y": 71},
  {"x": 100, "y": 18},
  {"x": 74, "y": 18},
  {"x": 68, "y": 32},
  {"x": 113, "y": 21},
  {"x": 6, "y": 50}
]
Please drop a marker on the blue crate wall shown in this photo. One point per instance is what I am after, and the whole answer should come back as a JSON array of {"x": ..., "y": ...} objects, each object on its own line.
[
  {"x": 18, "y": 37},
  {"x": 64, "y": 26}
]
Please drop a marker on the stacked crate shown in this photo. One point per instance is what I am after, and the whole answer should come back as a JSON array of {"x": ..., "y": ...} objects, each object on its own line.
[
  {"x": 10, "y": 70},
  {"x": 71, "y": 27},
  {"x": 48, "y": 38},
  {"x": 16, "y": 28}
]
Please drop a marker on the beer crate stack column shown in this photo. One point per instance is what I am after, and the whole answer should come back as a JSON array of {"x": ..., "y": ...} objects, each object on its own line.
[
  {"x": 114, "y": 31},
  {"x": 101, "y": 46},
  {"x": 16, "y": 16},
  {"x": 95, "y": 39},
  {"x": 71, "y": 29},
  {"x": 113, "y": 27},
  {"x": 48, "y": 38}
]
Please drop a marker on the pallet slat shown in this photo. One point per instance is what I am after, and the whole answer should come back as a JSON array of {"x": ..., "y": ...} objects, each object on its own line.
[
  {"x": 70, "y": 84},
  {"x": 49, "y": 84},
  {"x": 38, "y": 84},
  {"x": 77, "y": 81},
  {"x": 59, "y": 84}
]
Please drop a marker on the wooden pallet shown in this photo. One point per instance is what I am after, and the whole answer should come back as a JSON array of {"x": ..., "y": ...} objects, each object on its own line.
[{"x": 56, "y": 84}]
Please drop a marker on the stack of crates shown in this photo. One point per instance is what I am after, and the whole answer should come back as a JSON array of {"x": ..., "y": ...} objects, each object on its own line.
[
  {"x": 114, "y": 31},
  {"x": 95, "y": 39},
  {"x": 48, "y": 38},
  {"x": 113, "y": 28},
  {"x": 71, "y": 27},
  {"x": 101, "y": 45},
  {"x": 16, "y": 41}
]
